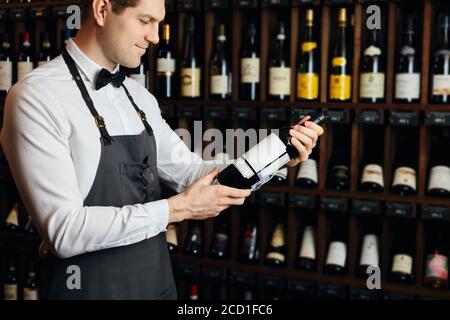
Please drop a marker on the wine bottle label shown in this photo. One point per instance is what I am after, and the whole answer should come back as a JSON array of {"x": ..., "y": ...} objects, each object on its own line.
[
  {"x": 407, "y": 85},
  {"x": 221, "y": 239},
  {"x": 372, "y": 51},
  {"x": 165, "y": 66},
  {"x": 439, "y": 178},
  {"x": 308, "y": 46},
  {"x": 337, "y": 253},
  {"x": 282, "y": 173},
  {"x": 141, "y": 78},
  {"x": 308, "y": 248},
  {"x": 369, "y": 252},
  {"x": 308, "y": 170},
  {"x": 340, "y": 87},
  {"x": 441, "y": 84},
  {"x": 307, "y": 86},
  {"x": 279, "y": 81},
  {"x": 265, "y": 152},
  {"x": 250, "y": 70},
  {"x": 219, "y": 84},
  {"x": 10, "y": 291},
  {"x": 23, "y": 68},
  {"x": 5, "y": 75},
  {"x": 171, "y": 234},
  {"x": 372, "y": 85},
  {"x": 436, "y": 267},
  {"x": 340, "y": 171},
  {"x": 30, "y": 294},
  {"x": 402, "y": 263},
  {"x": 190, "y": 82},
  {"x": 405, "y": 176},
  {"x": 13, "y": 216},
  {"x": 276, "y": 256},
  {"x": 278, "y": 237},
  {"x": 373, "y": 173}
]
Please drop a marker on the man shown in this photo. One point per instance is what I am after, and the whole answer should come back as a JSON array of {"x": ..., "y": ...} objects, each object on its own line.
[{"x": 87, "y": 148}]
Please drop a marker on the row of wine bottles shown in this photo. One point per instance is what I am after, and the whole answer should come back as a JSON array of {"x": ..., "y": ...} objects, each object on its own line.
[
  {"x": 11, "y": 285},
  {"x": 402, "y": 251},
  {"x": 372, "y": 83}
]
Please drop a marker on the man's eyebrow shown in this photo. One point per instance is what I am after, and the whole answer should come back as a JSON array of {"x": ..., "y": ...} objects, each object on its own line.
[{"x": 149, "y": 16}]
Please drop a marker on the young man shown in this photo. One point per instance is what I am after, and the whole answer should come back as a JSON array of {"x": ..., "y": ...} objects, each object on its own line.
[{"x": 87, "y": 148}]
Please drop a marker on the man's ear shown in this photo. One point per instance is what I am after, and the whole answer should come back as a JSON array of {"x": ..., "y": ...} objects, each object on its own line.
[{"x": 101, "y": 9}]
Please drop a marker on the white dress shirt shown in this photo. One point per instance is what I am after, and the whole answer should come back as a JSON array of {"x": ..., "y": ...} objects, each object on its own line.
[{"x": 53, "y": 148}]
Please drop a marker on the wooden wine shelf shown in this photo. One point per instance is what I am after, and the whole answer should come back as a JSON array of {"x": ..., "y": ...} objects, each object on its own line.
[{"x": 38, "y": 4}]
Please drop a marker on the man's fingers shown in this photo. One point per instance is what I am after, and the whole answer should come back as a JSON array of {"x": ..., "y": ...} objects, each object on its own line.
[
  {"x": 209, "y": 178},
  {"x": 233, "y": 192},
  {"x": 300, "y": 147},
  {"x": 303, "y": 120},
  {"x": 305, "y": 140},
  {"x": 315, "y": 127}
]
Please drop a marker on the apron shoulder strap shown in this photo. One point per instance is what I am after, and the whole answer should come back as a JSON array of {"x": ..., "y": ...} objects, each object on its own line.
[{"x": 140, "y": 112}]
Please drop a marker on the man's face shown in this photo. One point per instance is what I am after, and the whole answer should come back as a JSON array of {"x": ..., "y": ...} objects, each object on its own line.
[{"x": 125, "y": 37}]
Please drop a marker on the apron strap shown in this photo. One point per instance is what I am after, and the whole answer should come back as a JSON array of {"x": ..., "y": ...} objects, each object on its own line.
[
  {"x": 140, "y": 112},
  {"x": 99, "y": 121}
]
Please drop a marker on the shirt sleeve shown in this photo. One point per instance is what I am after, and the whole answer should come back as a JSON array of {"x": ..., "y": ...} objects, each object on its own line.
[{"x": 37, "y": 148}]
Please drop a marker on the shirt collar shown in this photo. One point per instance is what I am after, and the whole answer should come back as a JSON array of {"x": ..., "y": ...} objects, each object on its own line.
[{"x": 85, "y": 64}]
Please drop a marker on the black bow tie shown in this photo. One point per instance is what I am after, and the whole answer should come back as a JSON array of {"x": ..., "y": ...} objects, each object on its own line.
[{"x": 105, "y": 77}]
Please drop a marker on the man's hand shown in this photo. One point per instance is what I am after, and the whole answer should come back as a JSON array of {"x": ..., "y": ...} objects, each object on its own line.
[
  {"x": 201, "y": 200},
  {"x": 304, "y": 139}
]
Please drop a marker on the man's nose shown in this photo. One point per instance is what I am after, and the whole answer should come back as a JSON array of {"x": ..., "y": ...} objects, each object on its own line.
[{"x": 152, "y": 36}]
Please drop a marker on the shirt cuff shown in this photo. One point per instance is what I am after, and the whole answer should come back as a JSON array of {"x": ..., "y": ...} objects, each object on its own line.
[{"x": 158, "y": 214}]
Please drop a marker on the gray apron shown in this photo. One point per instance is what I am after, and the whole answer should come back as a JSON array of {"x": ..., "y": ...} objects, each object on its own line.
[{"x": 126, "y": 175}]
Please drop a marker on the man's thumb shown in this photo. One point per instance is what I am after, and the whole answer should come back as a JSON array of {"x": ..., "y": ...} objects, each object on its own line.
[{"x": 209, "y": 178}]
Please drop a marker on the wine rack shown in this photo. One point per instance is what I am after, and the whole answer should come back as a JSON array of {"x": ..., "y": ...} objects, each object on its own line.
[{"x": 291, "y": 200}]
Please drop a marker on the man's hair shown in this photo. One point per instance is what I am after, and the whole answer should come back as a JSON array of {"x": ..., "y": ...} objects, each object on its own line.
[{"x": 117, "y": 6}]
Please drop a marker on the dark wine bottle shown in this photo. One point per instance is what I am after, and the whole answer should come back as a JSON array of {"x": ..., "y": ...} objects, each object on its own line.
[
  {"x": 165, "y": 66},
  {"x": 190, "y": 66},
  {"x": 336, "y": 261},
  {"x": 308, "y": 66},
  {"x": 193, "y": 293},
  {"x": 372, "y": 77},
  {"x": 339, "y": 167},
  {"x": 308, "y": 174},
  {"x": 249, "y": 252},
  {"x": 279, "y": 68},
  {"x": 276, "y": 253},
  {"x": 440, "y": 82},
  {"x": 403, "y": 251},
  {"x": 220, "y": 68},
  {"x": 194, "y": 241},
  {"x": 30, "y": 289},
  {"x": 257, "y": 166},
  {"x": 219, "y": 249},
  {"x": 250, "y": 65},
  {"x": 12, "y": 220},
  {"x": 6, "y": 73},
  {"x": 306, "y": 259},
  {"x": 25, "y": 60},
  {"x": 372, "y": 179},
  {"x": 66, "y": 34},
  {"x": 45, "y": 55},
  {"x": 436, "y": 261},
  {"x": 407, "y": 73},
  {"x": 340, "y": 87},
  {"x": 405, "y": 164},
  {"x": 140, "y": 73},
  {"x": 439, "y": 177},
  {"x": 370, "y": 255},
  {"x": 10, "y": 287},
  {"x": 171, "y": 238}
]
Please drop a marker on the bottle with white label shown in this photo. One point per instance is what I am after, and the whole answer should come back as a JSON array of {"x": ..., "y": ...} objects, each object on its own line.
[
  {"x": 406, "y": 157},
  {"x": 250, "y": 64},
  {"x": 436, "y": 255},
  {"x": 220, "y": 70},
  {"x": 165, "y": 66},
  {"x": 10, "y": 287},
  {"x": 407, "y": 73},
  {"x": 440, "y": 67},
  {"x": 6, "y": 67},
  {"x": 308, "y": 173},
  {"x": 172, "y": 238},
  {"x": 25, "y": 60},
  {"x": 369, "y": 245},
  {"x": 372, "y": 179},
  {"x": 140, "y": 74},
  {"x": 439, "y": 174},
  {"x": 372, "y": 77},
  {"x": 279, "y": 68},
  {"x": 276, "y": 253},
  {"x": 338, "y": 177},
  {"x": 306, "y": 259},
  {"x": 191, "y": 71},
  {"x": 403, "y": 251},
  {"x": 336, "y": 260},
  {"x": 30, "y": 289}
]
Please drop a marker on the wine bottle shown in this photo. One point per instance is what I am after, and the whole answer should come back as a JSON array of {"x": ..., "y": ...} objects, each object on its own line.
[
  {"x": 372, "y": 77},
  {"x": 440, "y": 83},
  {"x": 140, "y": 73},
  {"x": 249, "y": 252},
  {"x": 407, "y": 73},
  {"x": 308, "y": 66},
  {"x": 45, "y": 55},
  {"x": 30, "y": 289},
  {"x": 279, "y": 68},
  {"x": 369, "y": 257},
  {"x": 6, "y": 74},
  {"x": 307, "y": 253},
  {"x": 340, "y": 75},
  {"x": 171, "y": 238},
  {"x": 250, "y": 65},
  {"x": 276, "y": 253},
  {"x": 339, "y": 167},
  {"x": 12, "y": 220},
  {"x": 165, "y": 66},
  {"x": 220, "y": 68},
  {"x": 280, "y": 177},
  {"x": 405, "y": 164},
  {"x": 372, "y": 165},
  {"x": 439, "y": 177},
  {"x": 25, "y": 59},
  {"x": 190, "y": 65},
  {"x": 403, "y": 247},
  {"x": 194, "y": 242},
  {"x": 336, "y": 261},
  {"x": 193, "y": 294},
  {"x": 436, "y": 262},
  {"x": 219, "y": 249},
  {"x": 256, "y": 166},
  {"x": 10, "y": 288},
  {"x": 308, "y": 176}
]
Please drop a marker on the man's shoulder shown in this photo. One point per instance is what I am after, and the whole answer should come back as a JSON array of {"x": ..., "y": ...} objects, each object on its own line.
[{"x": 51, "y": 72}]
